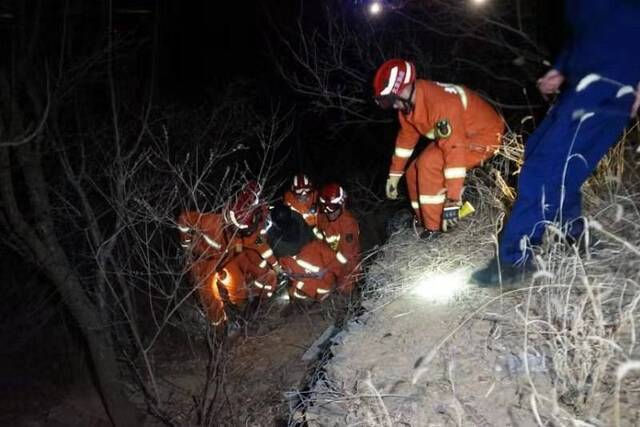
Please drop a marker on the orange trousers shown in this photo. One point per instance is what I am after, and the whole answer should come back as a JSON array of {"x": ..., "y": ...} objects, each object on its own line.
[
  {"x": 426, "y": 182},
  {"x": 214, "y": 288},
  {"x": 260, "y": 281},
  {"x": 314, "y": 271},
  {"x": 234, "y": 283}
]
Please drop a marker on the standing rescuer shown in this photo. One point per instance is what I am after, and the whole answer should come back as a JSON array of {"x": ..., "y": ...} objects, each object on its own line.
[
  {"x": 207, "y": 257},
  {"x": 465, "y": 129},
  {"x": 599, "y": 68}
]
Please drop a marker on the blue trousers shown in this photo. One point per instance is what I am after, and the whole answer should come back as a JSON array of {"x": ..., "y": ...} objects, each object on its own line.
[{"x": 559, "y": 157}]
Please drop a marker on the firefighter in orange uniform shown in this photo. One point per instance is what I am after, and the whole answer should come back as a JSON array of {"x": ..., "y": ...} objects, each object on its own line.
[
  {"x": 250, "y": 217},
  {"x": 227, "y": 256},
  {"x": 466, "y": 131},
  {"x": 208, "y": 253},
  {"x": 302, "y": 198},
  {"x": 313, "y": 272},
  {"x": 340, "y": 230}
]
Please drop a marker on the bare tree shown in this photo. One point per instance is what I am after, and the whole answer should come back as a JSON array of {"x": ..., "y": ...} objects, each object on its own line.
[
  {"x": 334, "y": 50},
  {"x": 89, "y": 193}
]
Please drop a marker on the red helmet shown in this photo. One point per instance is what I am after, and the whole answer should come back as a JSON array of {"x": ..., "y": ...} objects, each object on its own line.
[
  {"x": 244, "y": 209},
  {"x": 301, "y": 184},
  {"x": 391, "y": 79},
  {"x": 332, "y": 198}
]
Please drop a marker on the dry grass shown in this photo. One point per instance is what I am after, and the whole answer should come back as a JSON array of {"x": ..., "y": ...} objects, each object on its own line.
[{"x": 578, "y": 314}]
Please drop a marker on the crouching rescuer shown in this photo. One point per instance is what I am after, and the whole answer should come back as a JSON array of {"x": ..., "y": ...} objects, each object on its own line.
[
  {"x": 226, "y": 254},
  {"x": 331, "y": 261},
  {"x": 464, "y": 131}
]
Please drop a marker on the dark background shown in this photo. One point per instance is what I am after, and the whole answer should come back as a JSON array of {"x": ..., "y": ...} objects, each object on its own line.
[{"x": 190, "y": 55}]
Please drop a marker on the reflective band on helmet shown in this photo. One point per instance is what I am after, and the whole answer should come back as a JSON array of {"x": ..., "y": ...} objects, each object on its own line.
[
  {"x": 403, "y": 152},
  {"x": 184, "y": 228},
  {"x": 211, "y": 242},
  {"x": 235, "y": 222},
  {"x": 453, "y": 173},
  {"x": 393, "y": 75},
  {"x": 341, "y": 258},
  {"x": 308, "y": 266},
  {"x": 432, "y": 200},
  {"x": 266, "y": 254},
  {"x": 407, "y": 78}
]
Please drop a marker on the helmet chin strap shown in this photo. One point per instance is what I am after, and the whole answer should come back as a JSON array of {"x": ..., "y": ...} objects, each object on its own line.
[{"x": 407, "y": 105}]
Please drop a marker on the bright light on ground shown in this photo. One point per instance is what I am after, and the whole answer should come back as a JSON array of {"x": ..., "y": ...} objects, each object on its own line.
[
  {"x": 440, "y": 287},
  {"x": 375, "y": 8}
]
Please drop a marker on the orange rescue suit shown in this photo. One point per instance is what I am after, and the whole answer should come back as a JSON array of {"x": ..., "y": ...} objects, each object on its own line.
[
  {"x": 313, "y": 271},
  {"x": 343, "y": 236},
  {"x": 307, "y": 208},
  {"x": 256, "y": 259},
  {"x": 208, "y": 260},
  {"x": 467, "y": 131}
]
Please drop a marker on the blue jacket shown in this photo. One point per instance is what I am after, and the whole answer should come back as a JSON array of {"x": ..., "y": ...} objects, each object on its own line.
[{"x": 604, "y": 39}]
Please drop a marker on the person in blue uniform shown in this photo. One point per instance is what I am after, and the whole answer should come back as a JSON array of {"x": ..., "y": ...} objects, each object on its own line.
[{"x": 599, "y": 72}]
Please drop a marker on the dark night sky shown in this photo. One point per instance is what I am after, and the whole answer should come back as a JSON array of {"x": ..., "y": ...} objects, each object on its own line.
[{"x": 205, "y": 43}]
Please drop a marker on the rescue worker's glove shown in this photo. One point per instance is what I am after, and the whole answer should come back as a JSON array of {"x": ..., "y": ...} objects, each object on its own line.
[
  {"x": 391, "y": 187},
  {"x": 450, "y": 214}
]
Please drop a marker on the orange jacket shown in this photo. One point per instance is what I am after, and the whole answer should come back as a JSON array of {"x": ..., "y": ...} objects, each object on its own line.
[
  {"x": 343, "y": 236},
  {"x": 257, "y": 241},
  {"x": 308, "y": 208},
  {"x": 457, "y": 111},
  {"x": 205, "y": 233}
]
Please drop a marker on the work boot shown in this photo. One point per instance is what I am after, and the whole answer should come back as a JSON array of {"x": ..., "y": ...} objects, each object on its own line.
[
  {"x": 583, "y": 246},
  {"x": 429, "y": 234},
  {"x": 492, "y": 277}
]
